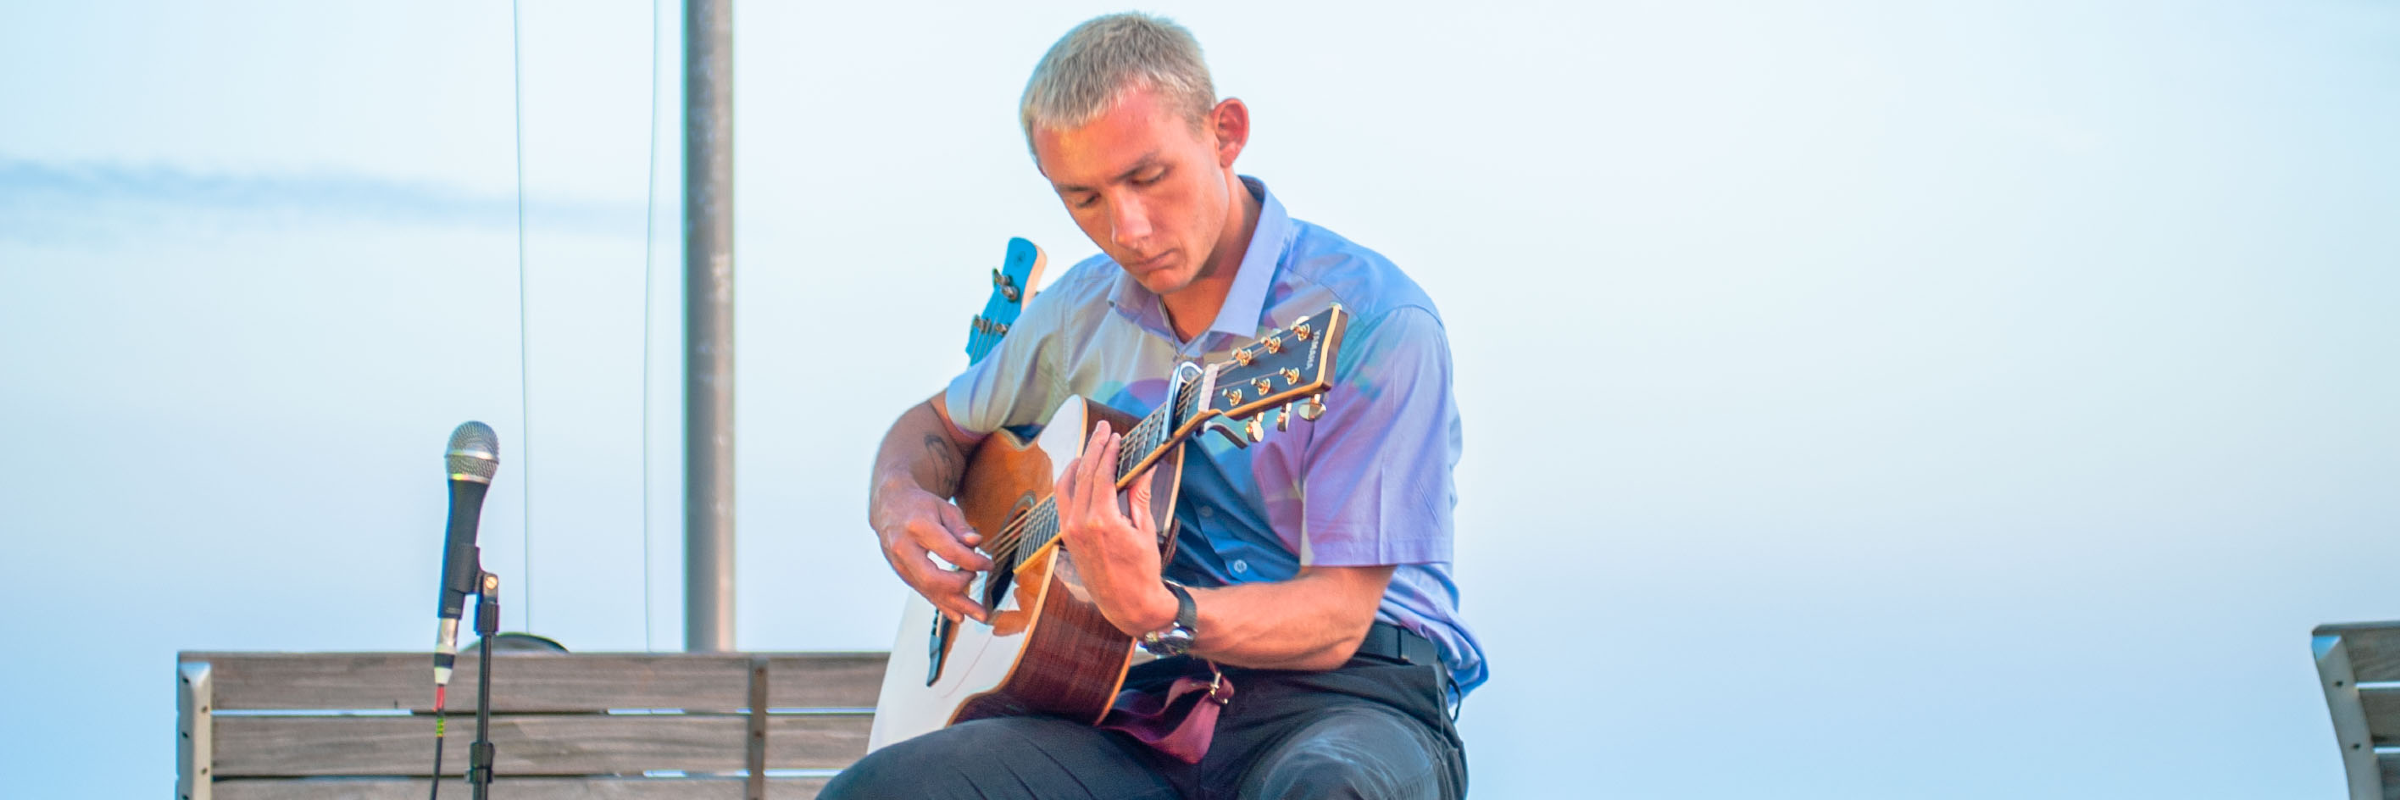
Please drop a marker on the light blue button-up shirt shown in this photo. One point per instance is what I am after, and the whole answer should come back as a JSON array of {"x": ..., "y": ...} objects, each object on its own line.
[{"x": 1367, "y": 484}]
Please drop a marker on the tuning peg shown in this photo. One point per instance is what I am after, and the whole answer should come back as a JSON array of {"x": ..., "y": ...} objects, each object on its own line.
[
  {"x": 997, "y": 277},
  {"x": 1257, "y": 433},
  {"x": 1283, "y": 421},
  {"x": 1231, "y": 435},
  {"x": 1314, "y": 408}
]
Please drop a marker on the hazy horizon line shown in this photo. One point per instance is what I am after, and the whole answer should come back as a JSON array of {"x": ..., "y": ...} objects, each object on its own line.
[{"x": 43, "y": 201}]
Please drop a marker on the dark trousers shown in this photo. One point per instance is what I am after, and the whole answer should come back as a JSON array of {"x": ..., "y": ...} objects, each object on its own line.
[{"x": 1371, "y": 729}]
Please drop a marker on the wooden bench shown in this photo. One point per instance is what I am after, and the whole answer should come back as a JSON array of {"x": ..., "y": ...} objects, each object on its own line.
[
  {"x": 670, "y": 726},
  {"x": 2358, "y": 666}
]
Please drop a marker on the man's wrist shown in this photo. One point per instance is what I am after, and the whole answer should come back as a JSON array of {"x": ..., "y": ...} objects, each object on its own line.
[
  {"x": 891, "y": 487},
  {"x": 1177, "y": 636},
  {"x": 1157, "y": 609}
]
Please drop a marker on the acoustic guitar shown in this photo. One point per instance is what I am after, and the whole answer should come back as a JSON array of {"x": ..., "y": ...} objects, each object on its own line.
[{"x": 1047, "y": 649}]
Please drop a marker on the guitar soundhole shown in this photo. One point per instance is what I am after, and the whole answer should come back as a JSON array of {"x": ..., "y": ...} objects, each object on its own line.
[
  {"x": 995, "y": 585},
  {"x": 937, "y": 647}
]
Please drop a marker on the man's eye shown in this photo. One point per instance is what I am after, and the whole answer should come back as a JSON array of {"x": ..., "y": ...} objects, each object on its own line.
[
  {"x": 1087, "y": 201},
  {"x": 1145, "y": 180}
]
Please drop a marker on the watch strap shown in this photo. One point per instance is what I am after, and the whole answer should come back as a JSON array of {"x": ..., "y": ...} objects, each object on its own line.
[
  {"x": 1176, "y": 638},
  {"x": 1187, "y": 615}
]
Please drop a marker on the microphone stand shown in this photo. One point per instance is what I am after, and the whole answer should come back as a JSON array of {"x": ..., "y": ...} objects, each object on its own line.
[{"x": 487, "y": 622}]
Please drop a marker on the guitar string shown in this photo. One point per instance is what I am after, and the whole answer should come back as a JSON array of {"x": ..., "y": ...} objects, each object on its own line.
[
  {"x": 1148, "y": 434},
  {"x": 1036, "y": 527},
  {"x": 1018, "y": 531},
  {"x": 1143, "y": 433},
  {"x": 1012, "y": 534}
]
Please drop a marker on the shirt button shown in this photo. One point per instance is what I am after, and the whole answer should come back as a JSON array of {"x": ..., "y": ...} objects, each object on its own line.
[
  {"x": 1206, "y": 512},
  {"x": 1241, "y": 566}
]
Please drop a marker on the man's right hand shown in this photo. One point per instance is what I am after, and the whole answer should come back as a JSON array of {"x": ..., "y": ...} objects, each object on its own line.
[{"x": 914, "y": 524}]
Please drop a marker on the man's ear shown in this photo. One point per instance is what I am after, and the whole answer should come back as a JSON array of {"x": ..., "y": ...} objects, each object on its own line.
[{"x": 1230, "y": 121}]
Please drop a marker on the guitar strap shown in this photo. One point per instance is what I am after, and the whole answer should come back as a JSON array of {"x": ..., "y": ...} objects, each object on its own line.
[{"x": 1182, "y": 721}]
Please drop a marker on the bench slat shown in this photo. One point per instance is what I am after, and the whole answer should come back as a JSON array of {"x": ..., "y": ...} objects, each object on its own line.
[
  {"x": 816, "y": 741},
  {"x": 2374, "y": 648},
  {"x": 824, "y": 680},
  {"x": 564, "y": 744},
  {"x": 519, "y": 789},
  {"x": 2382, "y": 704},
  {"x": 539, "y": 682}
]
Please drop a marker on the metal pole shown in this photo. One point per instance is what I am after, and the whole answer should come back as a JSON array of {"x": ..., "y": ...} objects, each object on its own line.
[{"x": 708, "y": 325}]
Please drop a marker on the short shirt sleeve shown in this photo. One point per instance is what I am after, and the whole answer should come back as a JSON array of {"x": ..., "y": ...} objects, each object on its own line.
[
  {"x": 1016, "y": 383},
  {"x": 1377, "y": 490}
]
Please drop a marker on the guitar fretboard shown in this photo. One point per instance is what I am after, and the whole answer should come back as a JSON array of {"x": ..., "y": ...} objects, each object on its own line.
[{"x": 1040, "y": 525}]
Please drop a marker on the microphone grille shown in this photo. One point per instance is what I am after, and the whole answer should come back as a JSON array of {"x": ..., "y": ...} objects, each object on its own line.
[{"x": 474, "y": 452}]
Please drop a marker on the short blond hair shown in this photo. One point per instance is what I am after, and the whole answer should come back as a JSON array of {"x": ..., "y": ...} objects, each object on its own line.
[{"x": 1083, "y": 74}]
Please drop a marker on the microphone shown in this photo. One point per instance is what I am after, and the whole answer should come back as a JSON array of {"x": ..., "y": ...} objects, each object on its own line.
[{"x": 473, "y": 457}]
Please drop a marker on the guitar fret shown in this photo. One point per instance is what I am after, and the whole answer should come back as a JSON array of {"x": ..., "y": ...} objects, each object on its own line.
[{"x": 1040, "y": 525}]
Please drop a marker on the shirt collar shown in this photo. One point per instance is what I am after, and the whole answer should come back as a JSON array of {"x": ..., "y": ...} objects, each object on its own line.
[{"x": 1246, "y": 299}]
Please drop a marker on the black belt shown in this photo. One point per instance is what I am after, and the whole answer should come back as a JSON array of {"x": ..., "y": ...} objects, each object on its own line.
[{"x": 1394, "y": 643}]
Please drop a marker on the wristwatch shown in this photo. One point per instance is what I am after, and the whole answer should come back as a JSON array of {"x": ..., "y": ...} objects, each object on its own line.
[{"x": 1176, "y": 639}]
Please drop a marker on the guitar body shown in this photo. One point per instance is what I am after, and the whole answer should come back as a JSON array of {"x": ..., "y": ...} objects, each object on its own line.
[{"x": 1048, "y": 650}]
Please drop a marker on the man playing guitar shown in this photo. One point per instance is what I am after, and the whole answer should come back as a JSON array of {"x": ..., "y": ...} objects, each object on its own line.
[{"x": 1312, "y": 568}]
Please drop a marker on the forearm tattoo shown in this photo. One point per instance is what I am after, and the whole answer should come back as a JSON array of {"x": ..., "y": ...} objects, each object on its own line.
[{"x": 944, "y": 462}]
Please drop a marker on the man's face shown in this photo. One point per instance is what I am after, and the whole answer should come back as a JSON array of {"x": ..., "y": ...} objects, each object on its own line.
[{"x": 1145, "y": 186}]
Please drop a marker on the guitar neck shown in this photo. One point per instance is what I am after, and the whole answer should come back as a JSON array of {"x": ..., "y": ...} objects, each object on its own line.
[{"x": 1144, "y": 443}]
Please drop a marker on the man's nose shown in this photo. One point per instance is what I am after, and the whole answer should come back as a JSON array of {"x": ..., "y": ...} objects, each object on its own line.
[{"x": 1129, "y": 222}]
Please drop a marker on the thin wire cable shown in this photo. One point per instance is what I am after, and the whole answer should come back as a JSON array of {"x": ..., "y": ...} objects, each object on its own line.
[
  {"x": 649, "y": 228},
  {"x": 516, "y": 60}
]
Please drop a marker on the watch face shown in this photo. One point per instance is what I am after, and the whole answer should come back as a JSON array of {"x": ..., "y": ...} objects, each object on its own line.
[
  {"x": 1170, "y": 642},
  {"x": 1176, "y": 640}
]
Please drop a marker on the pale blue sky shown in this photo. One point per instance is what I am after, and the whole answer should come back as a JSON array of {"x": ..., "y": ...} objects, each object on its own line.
[{"x": 1866, "y": 400}]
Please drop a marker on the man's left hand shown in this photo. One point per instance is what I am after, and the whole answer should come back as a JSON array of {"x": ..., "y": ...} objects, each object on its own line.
[{"x": 1116, "y": 553}]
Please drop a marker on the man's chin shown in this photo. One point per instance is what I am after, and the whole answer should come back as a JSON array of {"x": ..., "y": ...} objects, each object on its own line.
[{"x": 1163, "y": 281}]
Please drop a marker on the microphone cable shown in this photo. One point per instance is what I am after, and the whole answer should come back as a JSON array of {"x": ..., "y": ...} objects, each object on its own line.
[{"x": 441, "y": 724}]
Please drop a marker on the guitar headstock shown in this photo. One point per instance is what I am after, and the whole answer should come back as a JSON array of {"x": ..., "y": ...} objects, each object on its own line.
[
  {"x": 1012, "y": 285},
  {"x": 1288, "y": 366}
]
